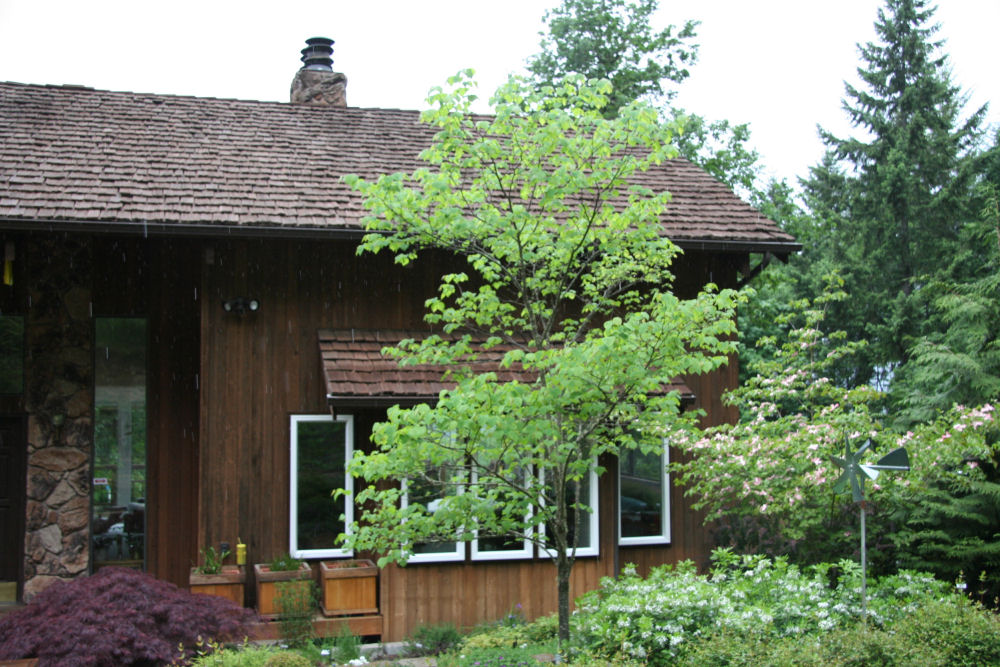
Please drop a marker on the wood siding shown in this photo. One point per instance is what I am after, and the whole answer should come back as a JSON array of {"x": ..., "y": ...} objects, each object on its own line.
[
  {"x": 259, "y": 368},
  {"x": 221, "y": 388}
]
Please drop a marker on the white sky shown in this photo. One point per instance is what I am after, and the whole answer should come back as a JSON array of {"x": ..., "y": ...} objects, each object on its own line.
[{"x": 779, "y": 65}]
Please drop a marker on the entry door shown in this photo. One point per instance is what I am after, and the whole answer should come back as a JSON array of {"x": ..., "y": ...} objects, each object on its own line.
[{"x": 13, "y": 449}]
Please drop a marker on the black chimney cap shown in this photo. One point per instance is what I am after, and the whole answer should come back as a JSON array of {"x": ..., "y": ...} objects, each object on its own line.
[{"x": 318, "y": 54}]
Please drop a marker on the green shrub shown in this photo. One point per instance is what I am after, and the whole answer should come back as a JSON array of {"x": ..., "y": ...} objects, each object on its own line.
[
  {"x": 296, "y": 603},
  {"x": 285, "y": 563},
  {"x": 247, "y": 655},
  {"x": 491, "y": 657},
  {"x": 656, "y": 619},
  {"x": 496, "y": 637},
  {"x": 507, "y": 635},
  {"x": 288, "y": 659},
  {"x": 962, "y": 631},
  {"x": 346, "y": 646},
  {"x": 951, "y": 633},
  {"x": 542, "y": 629},
  {"x": 432, "y": 639}
]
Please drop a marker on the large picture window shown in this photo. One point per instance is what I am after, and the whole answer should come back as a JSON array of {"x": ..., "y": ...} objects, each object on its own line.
[
  {"x": 321, "y": 447},
  {"x": 643, "y": 502}
]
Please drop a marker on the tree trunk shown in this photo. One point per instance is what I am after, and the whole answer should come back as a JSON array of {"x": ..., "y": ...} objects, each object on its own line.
[{"x": 563, "y": 568}]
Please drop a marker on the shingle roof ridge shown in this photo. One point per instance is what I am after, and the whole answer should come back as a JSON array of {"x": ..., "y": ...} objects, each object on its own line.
[
  {"x": 77, "y": 87},
  {"x": 75, "y": 155}
]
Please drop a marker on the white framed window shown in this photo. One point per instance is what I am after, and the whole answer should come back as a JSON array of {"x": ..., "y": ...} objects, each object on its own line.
[
  {"x": 501, "y": 547},
  {"x": 644, "y": 497},
  {"x": 321, "y": 448},
  {"x": 585, "y": 528},
  {"x": 416, "y": 491}
]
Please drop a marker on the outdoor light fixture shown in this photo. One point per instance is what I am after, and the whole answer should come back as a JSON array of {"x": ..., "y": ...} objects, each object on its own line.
[{"x": 241, "y": 305}]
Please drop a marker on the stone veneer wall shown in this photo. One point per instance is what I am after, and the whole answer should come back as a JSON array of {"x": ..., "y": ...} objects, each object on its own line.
[{"x": 59, "y": 385}]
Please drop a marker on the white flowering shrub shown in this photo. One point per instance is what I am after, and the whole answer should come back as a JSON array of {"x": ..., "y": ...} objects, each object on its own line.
[{"x": 653, "y": 619}]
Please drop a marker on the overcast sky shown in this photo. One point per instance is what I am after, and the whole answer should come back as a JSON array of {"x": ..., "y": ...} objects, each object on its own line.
[{"x": 779, "y": 65}]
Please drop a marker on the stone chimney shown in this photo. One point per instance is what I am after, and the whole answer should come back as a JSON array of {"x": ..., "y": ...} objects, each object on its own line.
[{"x": 316, "y": 83}]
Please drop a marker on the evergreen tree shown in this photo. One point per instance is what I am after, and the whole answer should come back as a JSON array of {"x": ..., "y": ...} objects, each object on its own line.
[
  {"x": 959, "y": 360},
  {"x": 891, "y": 203}
]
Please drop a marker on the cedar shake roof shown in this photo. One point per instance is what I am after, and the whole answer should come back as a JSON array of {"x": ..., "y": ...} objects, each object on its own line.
[
  {"x": 358, "y": 374},
  {"x": 74, "y": 157}
]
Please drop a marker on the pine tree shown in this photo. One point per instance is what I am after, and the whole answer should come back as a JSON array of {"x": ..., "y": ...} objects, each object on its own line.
[
  {"x": 891, "y": 202},
  {"x": 958, "y": 361}
]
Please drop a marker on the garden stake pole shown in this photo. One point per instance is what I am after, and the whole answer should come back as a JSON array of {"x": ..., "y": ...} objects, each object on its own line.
[
  {"x": 864, "y": 568},
  {"x": 853, "y": 477}
]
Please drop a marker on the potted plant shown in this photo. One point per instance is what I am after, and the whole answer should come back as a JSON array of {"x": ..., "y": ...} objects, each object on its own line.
[
  {"x": 268, "y": 575},
  {"x": 214, "y": 577},
  {"x": 348, "y": 587}
]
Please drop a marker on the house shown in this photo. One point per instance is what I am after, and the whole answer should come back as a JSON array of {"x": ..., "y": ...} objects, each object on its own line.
[{"x": 183, "y": 313}]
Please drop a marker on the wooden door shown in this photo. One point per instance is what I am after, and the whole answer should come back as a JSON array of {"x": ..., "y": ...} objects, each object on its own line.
[{"x": 13, "y": 450}]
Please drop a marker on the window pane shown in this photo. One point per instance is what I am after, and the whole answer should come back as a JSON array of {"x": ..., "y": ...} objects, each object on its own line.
[
  {"x": 119, "y": 473},
  {"x": 503, "y": 545},
  {"x": 642, "y": 490},
  {"x": 320, "y": 468},
  {"x": 429, "y": 492},
  {"x": 581, "y": 526}
]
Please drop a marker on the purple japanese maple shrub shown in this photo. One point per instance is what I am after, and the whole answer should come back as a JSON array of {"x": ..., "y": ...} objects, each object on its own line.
[{"x": 117, "y": 617}]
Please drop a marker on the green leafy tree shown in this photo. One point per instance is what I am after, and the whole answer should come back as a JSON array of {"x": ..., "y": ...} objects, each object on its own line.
[
  {"x": 613, "y": 40},
  {"x": 567, "y": 280},
  {"x": 891, "y": 202}
]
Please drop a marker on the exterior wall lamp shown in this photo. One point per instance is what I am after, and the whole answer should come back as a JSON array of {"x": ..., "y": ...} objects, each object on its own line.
[{"x": 241, "y": 305}]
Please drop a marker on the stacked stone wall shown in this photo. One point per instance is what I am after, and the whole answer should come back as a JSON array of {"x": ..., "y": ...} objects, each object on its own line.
[{"x": 59, "y": 402}]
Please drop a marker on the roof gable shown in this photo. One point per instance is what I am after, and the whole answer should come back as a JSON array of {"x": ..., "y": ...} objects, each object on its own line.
[{"x": 76, "y": 155}]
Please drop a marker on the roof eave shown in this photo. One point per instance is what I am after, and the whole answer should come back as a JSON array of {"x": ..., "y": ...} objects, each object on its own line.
[
  {"x": 180, "y": 229},
  {"x": 717, "y": 245},
  {"x": 407, "y": 401},
  {"x": 313, "y": 232}
]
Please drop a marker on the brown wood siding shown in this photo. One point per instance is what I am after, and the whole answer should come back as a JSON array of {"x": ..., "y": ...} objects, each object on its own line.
[
  {"x": 259, "y": 368},
  {"x": 173, "y": 410}
]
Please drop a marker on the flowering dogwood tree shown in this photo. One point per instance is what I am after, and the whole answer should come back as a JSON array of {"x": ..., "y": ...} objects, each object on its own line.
[{"x": 773, "y": 468}]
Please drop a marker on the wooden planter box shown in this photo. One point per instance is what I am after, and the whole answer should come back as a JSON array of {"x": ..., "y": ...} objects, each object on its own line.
[
  {"x": 226, "y": 584},
  {"x": 348, "y": 587},
  {"x": 267, "y": 590}
]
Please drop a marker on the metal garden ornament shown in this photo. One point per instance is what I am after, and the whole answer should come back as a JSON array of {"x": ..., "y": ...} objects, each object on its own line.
[{"x": 854, "y": 475}]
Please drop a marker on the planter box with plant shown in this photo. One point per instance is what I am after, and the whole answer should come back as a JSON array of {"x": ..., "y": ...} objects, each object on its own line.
[
  {"x": 348, "y": 587},
  {"x": 282, "y": 568},
  {"x": 213, "y": 577}
]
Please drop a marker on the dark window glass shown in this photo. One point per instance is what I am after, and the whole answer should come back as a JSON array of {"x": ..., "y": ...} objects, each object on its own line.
[
  {"x": 320, "y": 468},
  {"x": 641, "y": 502},
  {"x": 118, "y": 519}
]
